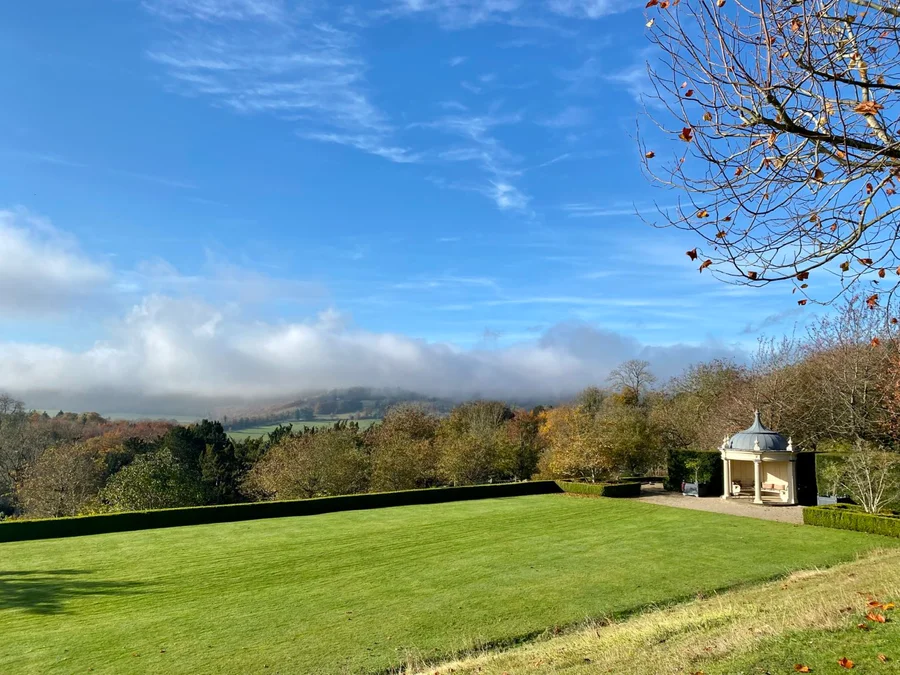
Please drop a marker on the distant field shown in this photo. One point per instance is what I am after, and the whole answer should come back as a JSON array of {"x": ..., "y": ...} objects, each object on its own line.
[
  {"x": 255, "y": 432},
  {"x": 366, "y": 591}
]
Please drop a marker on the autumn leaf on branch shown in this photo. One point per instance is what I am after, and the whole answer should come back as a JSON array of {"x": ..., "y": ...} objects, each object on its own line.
[
  {"x": 802, "y": 276},
  {"x": 868, "y": 108},
  {"x": 705, "y": 264},
  {"x": 692, "y": 254},
  {"x": 872, "y": 301},
  {"x": 777, "y": 141},
  {"x": 751, "y": 275},
  {"x": 801, "y": 302},
  {"x": 650, "y": 154}
]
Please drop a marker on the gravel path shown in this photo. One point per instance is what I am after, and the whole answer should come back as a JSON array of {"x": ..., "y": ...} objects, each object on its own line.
[{"x": 654, "y": 494}]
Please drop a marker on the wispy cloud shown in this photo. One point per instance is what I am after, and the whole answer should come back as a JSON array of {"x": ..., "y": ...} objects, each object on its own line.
[
  {"x": 447, "y": 281},
  {"x": 56, "y": 160},
  {"x": 591, "y": 9},
  {"x": 217, "y": 10},
  {"x": 580, "y": 210},
  {"x": 482, "y": 147},
  {"x": 254, "y": 57},
  {"x": 569, "y": 117},
  {"x": 46, "y": 158},
  {"x": 456, "y": 61},
  {"x": 458, "y": 14}
]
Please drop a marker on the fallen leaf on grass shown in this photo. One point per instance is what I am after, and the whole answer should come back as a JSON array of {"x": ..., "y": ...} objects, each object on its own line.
[
  {"x": 876, "y": 617},
  {"x": 800, "y": 668},
  {"x": 844, "y": 662},
  {"x": 882, "y": 658}
]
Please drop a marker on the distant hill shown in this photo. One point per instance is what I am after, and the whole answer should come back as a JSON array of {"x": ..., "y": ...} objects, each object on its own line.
[{"x": 352, "y": 403}]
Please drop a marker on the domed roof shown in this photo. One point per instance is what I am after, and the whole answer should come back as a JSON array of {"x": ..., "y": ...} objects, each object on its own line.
[{"x": 768, "y": 440}]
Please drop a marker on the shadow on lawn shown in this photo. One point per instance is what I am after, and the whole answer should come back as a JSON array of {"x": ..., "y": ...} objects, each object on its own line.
[{"x": 47, "y": 591}]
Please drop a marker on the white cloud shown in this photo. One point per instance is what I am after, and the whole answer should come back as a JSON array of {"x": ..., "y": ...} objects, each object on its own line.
[
  {"x": 179, "y": 350},
  {"x": 42, "y": 270}
]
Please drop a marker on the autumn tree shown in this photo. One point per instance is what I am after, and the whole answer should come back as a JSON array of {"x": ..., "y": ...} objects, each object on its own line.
[
  {"x": 632, "y": 378},
  {"x": 474, "y": 445},
  {"x": 311, "y": 464},
  {"x": 62, "y": 481},
  {"x": 784, "y": 115},
  {"x": 404, "y": 451}
]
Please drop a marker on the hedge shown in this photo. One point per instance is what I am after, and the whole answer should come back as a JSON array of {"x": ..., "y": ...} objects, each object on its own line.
[
  {"x": 602, "y": 489},
  {"x": 22, "y": 530},
  {"x": 851, "y": 517}
]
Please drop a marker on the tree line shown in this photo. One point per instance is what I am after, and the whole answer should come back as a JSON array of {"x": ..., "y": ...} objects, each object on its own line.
[{"x": 835, "y": 388}]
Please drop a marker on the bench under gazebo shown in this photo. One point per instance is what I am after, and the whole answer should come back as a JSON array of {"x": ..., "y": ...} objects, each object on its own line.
[{"x": 759, "y": 463}]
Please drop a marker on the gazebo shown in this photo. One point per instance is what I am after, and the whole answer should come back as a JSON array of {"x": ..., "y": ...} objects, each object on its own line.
[{"x": 760, "y": 463}]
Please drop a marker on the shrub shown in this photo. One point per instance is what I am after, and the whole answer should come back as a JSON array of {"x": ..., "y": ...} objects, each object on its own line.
[
  {"x": 851, "y": 517},
  {"x": 602, "y": 489}
]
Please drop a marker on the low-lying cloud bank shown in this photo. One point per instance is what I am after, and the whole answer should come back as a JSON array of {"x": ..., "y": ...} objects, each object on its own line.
[{"x": 171, "y": 356}]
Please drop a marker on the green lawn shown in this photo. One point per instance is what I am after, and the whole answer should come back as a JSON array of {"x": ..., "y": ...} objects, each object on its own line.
[
  {"x": 255, "y": 432},
  {"x": 362, "y": 591}
]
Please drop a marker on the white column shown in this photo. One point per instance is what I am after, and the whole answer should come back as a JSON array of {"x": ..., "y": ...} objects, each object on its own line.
[
  {"x": 757, "y": 480},
  {"x": 727, "y": 477},
  {"x": 792, "y": 488}
]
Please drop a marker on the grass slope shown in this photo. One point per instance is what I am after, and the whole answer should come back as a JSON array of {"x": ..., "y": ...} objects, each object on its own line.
[
  {"x": 809, "y": 619},
  {"x": 366, "y": 591},
  {"x": 255, "y": 432}
]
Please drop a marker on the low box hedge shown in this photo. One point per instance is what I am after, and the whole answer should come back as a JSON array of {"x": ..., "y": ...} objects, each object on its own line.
[
  {"x": 852, "y": 517},
  {"x": 602, "y": 489},
  {"x": 22, "y": 530}
]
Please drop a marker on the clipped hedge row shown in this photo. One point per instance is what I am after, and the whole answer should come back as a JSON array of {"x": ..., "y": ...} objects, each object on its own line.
[
  {"x": 602, "y": 489},
  {"x": 850, "y": 517},
  {"x": 22, "y": 530}
]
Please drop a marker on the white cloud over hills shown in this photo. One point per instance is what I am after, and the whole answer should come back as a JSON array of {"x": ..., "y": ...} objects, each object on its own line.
[{"x": 179, "y": 348}]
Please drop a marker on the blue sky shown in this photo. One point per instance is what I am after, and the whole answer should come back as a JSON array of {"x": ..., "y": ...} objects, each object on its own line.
[{"x": 409, "y": 192}]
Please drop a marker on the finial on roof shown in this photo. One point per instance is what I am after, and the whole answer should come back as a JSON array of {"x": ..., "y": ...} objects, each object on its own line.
[
  {"x": 756, "y": 442},
  {"x": 790, "y": 447}
]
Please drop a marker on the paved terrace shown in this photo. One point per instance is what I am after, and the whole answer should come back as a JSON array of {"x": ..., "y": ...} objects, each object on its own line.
[{"x": 655, "y": 494}]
